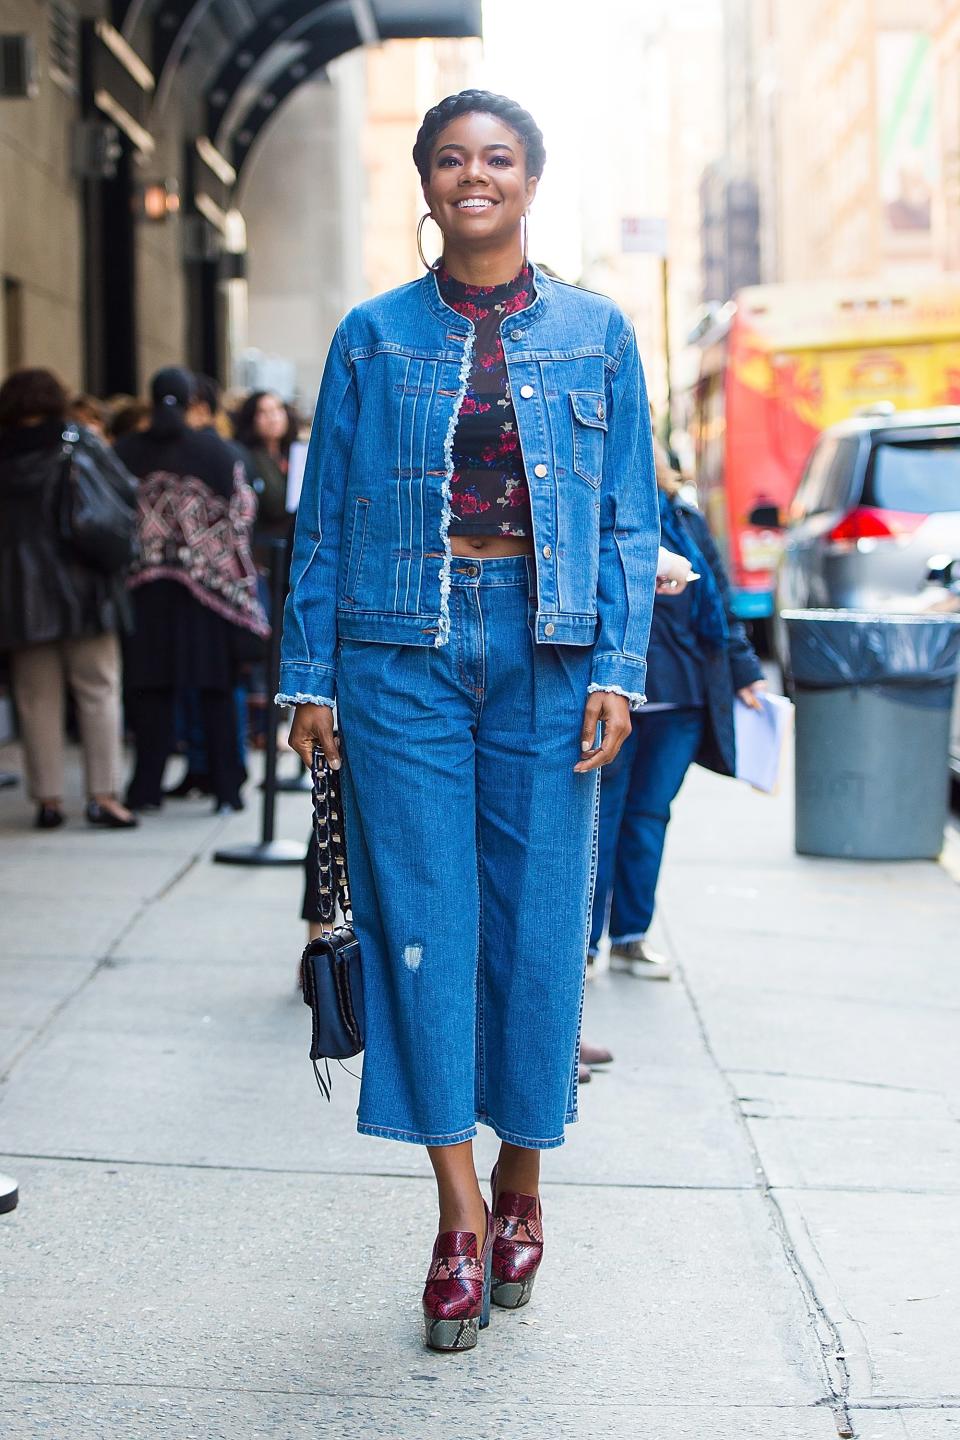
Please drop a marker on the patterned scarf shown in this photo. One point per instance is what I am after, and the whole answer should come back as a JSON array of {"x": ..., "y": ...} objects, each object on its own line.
[{"x": 190, "y": 534}]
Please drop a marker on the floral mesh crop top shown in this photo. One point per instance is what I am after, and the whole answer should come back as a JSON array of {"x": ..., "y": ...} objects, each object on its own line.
[{"x": 489, "y": 493}]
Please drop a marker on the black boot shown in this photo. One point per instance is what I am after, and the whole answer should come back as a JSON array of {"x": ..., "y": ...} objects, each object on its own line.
[{"x": 49, "y": 817}]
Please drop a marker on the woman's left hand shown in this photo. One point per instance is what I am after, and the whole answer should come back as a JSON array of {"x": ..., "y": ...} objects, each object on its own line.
[
  {"x": 613, "y": 713},
  {"x": 749, "y": 694}
]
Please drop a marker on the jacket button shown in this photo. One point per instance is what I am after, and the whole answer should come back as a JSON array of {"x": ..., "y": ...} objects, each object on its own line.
[
  {"x": 601, "y": 410},
  {"x": 547, "y": 552},
  {"x": 516, "y": 334},
  {"x": 540, "y": 471},
  {"x": 526, "y": 392},
  {"x": 549, "y": 629}
]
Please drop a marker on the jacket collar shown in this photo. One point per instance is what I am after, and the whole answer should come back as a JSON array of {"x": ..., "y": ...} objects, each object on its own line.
[{"x": 543, "y": 294}]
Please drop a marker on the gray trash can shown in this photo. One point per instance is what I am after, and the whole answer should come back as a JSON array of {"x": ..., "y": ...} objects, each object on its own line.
[{"x": 874, "y": 695}]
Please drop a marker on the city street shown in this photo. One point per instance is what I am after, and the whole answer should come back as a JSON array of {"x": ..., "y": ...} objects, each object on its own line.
[{"x": 751, "y": 1232}]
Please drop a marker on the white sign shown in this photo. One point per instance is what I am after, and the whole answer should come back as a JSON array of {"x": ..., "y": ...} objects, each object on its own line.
[
  {"x": 296, "y": 464},
  {"x": 643, "y": 235}
]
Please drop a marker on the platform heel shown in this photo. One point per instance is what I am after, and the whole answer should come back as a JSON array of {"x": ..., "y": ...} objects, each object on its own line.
[
  {"x": 456, "y": 1297},
  {"x": 517, "y": 1246}
]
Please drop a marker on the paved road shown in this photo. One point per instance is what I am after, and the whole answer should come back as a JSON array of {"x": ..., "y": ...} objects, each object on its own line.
[{"x": 752, "y": 1232}]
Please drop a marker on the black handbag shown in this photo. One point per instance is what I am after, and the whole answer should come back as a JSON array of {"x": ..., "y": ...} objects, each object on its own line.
[
  {"x": 330, "y": 968},
  {"x": 98, "y": 505}
]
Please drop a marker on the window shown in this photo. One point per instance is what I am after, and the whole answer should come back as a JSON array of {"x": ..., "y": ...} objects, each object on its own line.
[
  {"x": 12, "y": 356},
  {"x": 64, "y": 45},
  {"x": 808, "y": 497},
  {"x": 837, "y": 485},
  {"x": 919, "y": 477},
  {"x": 826, "y": 484}
]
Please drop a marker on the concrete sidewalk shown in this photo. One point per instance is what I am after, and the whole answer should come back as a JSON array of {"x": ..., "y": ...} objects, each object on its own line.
[{"x": 753, "y": 1232}]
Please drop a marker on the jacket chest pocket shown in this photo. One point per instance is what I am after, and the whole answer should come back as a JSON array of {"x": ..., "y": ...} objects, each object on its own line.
[{"x": 589, "y": 419}]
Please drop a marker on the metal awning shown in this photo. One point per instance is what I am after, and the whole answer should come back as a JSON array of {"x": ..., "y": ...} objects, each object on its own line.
[
  {"x": 270, "y": 63},
  {"x": 245, "y": 57}
]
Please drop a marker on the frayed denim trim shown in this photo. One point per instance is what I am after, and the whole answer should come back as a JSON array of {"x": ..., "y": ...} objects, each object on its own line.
[
  {"x": 446, "y": 491},
  {"x": 627, "y": 939},
  {"x": 301, "y": 699},
  {"x": 411, "y": 1137},
  {"x": 636, "y": 700},
  {"x": 527, "y": 1142}
]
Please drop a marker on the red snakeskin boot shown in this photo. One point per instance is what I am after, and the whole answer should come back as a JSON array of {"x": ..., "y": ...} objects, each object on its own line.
[
  {"x": 456, "y": 1297},
  {"x": 518, "y": 1247}
]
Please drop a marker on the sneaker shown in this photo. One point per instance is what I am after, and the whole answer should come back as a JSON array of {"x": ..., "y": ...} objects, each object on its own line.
[{"x": 636, "y": 958}]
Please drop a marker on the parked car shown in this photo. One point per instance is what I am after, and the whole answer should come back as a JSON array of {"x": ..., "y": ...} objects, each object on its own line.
[{"x": 877, "y": 508}]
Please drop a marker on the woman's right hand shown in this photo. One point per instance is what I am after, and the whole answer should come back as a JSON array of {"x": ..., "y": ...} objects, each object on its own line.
[{"x": 313, "y": 725}]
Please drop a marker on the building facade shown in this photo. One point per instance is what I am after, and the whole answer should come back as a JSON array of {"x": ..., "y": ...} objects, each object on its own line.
[
  {"x": 839, "y": 114},
  {"x": 128, "y": 129},
  {"x": 332, "y": 200},
  {"x": 947, "y": 72}
]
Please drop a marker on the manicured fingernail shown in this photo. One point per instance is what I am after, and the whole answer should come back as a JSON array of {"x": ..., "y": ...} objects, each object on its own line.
[
  {"x": 334, "y": 764},
  {"x": 585, "y": 745}
]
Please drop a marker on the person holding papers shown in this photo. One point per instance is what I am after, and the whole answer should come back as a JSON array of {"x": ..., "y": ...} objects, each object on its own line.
[{"x": 699, "y": 658}]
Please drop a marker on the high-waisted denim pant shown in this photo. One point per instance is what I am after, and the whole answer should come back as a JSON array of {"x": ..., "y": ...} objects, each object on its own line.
[{"x": 471, "y": 848}]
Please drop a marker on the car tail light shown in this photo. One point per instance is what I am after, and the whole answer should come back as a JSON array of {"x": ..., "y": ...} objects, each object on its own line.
[{"x": 869, "y": 523}]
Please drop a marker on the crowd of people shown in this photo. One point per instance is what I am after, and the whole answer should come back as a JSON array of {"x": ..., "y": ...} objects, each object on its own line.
[{"x": 160, "y": 633}]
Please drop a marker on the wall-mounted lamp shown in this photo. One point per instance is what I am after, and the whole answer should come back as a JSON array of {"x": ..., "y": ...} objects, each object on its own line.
[{"x": 157, "y": 200}]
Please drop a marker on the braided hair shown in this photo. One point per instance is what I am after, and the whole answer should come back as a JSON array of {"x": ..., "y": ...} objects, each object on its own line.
[{"x": 480, "y": 102}]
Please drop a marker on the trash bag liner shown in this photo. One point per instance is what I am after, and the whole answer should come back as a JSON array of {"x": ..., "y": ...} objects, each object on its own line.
[{"x": 916, "y": 656}]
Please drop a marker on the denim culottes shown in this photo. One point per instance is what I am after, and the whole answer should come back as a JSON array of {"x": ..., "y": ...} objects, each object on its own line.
[{"x": 472, "y": 850}]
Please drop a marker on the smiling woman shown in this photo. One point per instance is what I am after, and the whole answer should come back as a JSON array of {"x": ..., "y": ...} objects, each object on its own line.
[{"x": 472, "y": 582}]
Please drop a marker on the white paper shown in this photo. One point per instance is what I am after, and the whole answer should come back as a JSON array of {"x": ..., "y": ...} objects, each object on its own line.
[
  {"x": 296, "y": 463},
  {"x": 761, "y": 735}
]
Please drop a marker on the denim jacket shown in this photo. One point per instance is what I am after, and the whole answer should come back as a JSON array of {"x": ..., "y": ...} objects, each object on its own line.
[{"x": 371, "y": 558}]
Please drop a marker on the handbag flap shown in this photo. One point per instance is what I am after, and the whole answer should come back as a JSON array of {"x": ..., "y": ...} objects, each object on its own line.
[{"x": 332, "y": 987}]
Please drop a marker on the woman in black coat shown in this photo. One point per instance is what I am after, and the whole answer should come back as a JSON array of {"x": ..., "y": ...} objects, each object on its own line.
[
  {"x": 194, "y": 590},
  {"x": 698, "y": 660},
  {"x": 60, "y": 617}
]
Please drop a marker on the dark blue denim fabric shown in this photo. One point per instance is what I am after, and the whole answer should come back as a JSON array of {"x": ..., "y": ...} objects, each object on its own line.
[
  {"x": 471, "y": 845},
  {"x": 636, "y": 793}
]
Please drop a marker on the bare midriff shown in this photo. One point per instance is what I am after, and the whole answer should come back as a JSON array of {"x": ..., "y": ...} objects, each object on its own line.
[{"x": 490, "y": 547}]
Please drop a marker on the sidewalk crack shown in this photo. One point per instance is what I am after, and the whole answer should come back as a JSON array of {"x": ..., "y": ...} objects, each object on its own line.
[{"x": 836, "y": 1375}]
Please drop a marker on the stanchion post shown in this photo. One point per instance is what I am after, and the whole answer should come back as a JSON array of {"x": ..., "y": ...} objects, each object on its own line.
[{"x": 278, "y": 588}]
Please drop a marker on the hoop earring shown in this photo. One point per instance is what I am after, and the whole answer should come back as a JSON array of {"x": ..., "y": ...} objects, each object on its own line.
[
  {"x": 426, "y": 263},
  {"x": 526, "y": 239}
]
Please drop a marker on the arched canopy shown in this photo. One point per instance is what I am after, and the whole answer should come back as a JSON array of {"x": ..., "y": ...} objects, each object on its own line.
[
  {"x": 247, "y": 56},
  {"x": 270, "y": 63}
]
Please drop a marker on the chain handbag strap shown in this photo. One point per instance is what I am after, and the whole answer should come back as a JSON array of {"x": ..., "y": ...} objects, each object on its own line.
[{"x": 333, "y": 883}]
